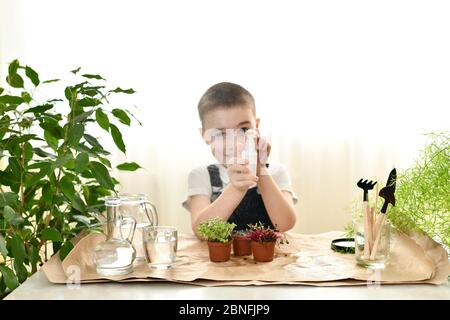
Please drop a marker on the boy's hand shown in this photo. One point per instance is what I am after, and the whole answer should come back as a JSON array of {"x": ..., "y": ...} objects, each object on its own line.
[
  {"x": 263, "y": 153},
  {"x": 240, "y": 175}
]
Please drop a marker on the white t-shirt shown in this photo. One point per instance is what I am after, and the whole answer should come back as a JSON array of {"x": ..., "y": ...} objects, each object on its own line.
[{"x": 200, "y": 183}]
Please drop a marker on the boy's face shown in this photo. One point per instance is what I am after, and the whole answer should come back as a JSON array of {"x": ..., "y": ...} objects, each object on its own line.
[{"x": 223, "y": 130}]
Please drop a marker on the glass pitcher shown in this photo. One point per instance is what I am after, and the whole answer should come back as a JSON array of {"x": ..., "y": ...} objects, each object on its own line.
[
  {"x": 143, "y": 211},
  {"x": 115, "y": 256}
]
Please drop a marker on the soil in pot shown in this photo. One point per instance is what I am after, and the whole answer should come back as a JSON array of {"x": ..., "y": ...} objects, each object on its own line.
[
  {"x": 263, "y": 251},
  {"x": 242, "y": 246},
  {"x": 219, "y": 251}
]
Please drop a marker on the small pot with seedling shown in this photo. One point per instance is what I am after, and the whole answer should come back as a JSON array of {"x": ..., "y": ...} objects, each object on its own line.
[
  {"x": 242, "y": 243},
  {"x": 263, "y": 240},
  {"x": 218, "y": 234}
]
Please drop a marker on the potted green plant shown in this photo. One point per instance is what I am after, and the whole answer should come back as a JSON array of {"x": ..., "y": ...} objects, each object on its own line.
[
  {"x": 242, "y": 243},
  {"x": 53, "y": 168},
  {"x": 218, "y": 234},
  {"x": 263, "y": 240}
]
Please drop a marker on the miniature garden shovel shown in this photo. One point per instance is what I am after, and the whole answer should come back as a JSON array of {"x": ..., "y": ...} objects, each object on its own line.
[{"x": 388, "y": 194}]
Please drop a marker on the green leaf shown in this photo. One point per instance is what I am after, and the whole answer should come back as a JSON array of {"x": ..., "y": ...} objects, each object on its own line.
[
  {"x": 33, "y": 255},
  {"x": 25, "y": 137},
  {"x": 3, "y": 249},
  {"x": 78, "y": 204},
  {"x": 55, "y": 100},
  {"x": 51, "y": 125},
  {"x": 56, "y": 246},
  {"x": 67, "y": 187},
  {"x": 80, "y": 85},
  {"x": 75, "y": 71},
  {"x": 65, "y": 249},
  {"x": 92, "y": 141},
  {"x": 47, "y": 193},
  {"x": 13, "y": 66},
  {"x": 102, "y": 119},
  {"x": 88, "y": 102},
  {"x": 21, "y": 271},
  {"x": 68, "y": 93},
  {"x": 128, "y": 166},
  {"x": 15, "y": 81},
  {"x": 120, "y": 90},
  {"x": 81, "y": 162},
  {"x": 8, "y": 179},
  {"x": 39, "y": 165},
  {"x": 92, "y": 91},
  {"x": 17, "y": 248},
  {"x": 52, "y": 234},
  {"x": 26, "y": 97},
  {"x": 44, "y": 154},
  {"x": 105, "y": 161},
  {"x": 51, "y": 140},
  {"x": 1, "y": 90},
  {"x": 75, "y": 134},
  {"x": 51, "y": 80},
  {"x": 28, "y": 151},
  {"x": 11, "y": 216},
  {"x": 61, "y": 161},
  {"x": 11, "y": 99},
  {"x": 32, "y": 75},
  {"x": 82, "y": 219},
  {"x": 93, "y": 76},
  {"x": 9, "y": 277},
  {"x": 40, "y": 109},
  {"x": 122, "y": 116},
  {"x": 117, "y": 137},
  {"x": 8, "y": 199},
  {"x": 2, "y": 284},
  {"x": 101, "y": 174},
  {"x": 35, "y": 178},
  {"x": 15, "y": 166},
  {"x": 83, "y": 116}
]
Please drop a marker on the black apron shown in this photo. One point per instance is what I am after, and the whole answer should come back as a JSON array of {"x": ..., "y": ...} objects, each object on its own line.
[{"x": 250, "y": 210}]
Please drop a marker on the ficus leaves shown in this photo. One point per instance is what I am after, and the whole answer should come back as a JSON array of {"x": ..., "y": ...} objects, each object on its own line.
[{"x": 56, "y": 171}]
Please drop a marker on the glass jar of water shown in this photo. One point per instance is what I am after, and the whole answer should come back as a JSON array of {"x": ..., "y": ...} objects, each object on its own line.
[{"x": 115, "y": 255}]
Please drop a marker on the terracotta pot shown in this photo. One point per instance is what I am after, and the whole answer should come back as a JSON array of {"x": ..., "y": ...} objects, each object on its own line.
[
  {"x": 242, "y": 246},
  {"x": 219, "y": 252},
  {"x": 263, "y": 251}
]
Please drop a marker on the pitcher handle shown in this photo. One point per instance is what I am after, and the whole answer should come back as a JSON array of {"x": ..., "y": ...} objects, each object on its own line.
[
  {"x": 125, "y": 221},
  {"x": 153, "y": 216}
]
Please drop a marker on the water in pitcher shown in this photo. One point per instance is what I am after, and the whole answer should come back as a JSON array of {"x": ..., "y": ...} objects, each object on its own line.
[
  {"x": 115, "y": 255},
  {"x": 144, "y": 212},
  {"x": 114, "y": 258},
  {"x": 138, "y": 241}
]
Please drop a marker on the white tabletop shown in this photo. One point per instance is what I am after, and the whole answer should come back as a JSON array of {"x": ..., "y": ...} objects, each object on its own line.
[{"x": 38, "y": 287}]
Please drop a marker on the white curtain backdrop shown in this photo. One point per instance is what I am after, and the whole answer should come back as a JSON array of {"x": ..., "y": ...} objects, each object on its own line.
[{"x": 344, "y": 88}]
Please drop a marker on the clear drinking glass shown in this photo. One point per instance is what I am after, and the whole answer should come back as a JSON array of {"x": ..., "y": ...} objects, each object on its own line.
[
  {"x": 369, "y": 258},
  {"x": 160, "y": 244}
]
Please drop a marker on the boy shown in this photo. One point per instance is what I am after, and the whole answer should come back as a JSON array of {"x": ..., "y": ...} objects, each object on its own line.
[{"x": 228, "y": 189}]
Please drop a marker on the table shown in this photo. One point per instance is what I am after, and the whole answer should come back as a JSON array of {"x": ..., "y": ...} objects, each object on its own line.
[{"x": 38, "y": 287}]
